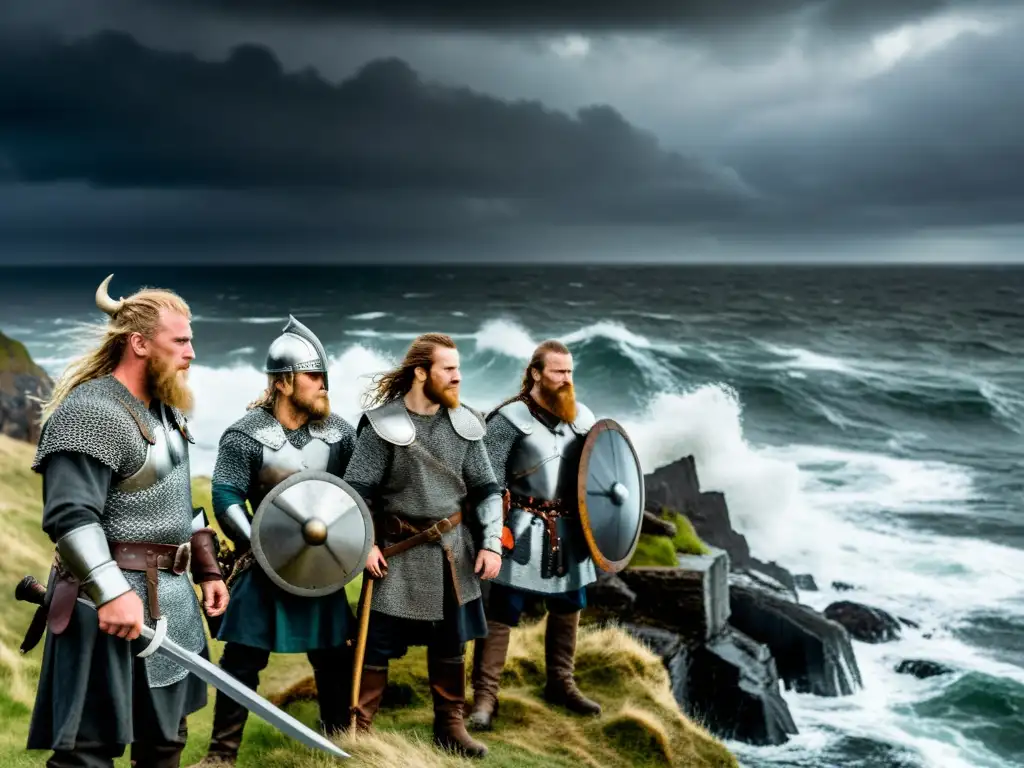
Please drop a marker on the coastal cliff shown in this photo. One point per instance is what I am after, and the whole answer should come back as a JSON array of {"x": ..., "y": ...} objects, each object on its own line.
[{"x": 22, "y": 384}]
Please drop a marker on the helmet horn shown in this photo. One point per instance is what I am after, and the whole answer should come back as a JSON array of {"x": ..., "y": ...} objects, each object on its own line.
[{"x": 103, "y": 300}]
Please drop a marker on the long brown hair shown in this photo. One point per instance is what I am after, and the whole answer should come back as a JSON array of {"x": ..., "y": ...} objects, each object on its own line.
[
  {"x": 269, "y": 395},
  {"x": 536, "y": 364},
  {"x": 396, "y": 383},
  {"x": 139, "y": 313}
]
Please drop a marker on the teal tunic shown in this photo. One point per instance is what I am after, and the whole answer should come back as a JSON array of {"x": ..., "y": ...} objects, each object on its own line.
[
  {"x": 259, "y": 613},
  {"x": 263, "y": 615}
]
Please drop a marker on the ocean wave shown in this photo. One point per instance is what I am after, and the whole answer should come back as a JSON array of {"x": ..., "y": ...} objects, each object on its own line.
[{"x": 368, "y": 316}]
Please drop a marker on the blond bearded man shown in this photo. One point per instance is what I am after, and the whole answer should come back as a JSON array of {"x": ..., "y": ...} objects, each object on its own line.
[
  {"x": 421, "y": 466},
  {"x": 114, "y": 458},
  {"x": 534, "y": 441},
  {"x": 288, "y": 429}
]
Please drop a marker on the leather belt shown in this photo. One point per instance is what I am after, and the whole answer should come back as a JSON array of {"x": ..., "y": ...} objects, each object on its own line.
[
  {"x": 549, "y": 510},
  {"x": 422, "y": 532},
  {"x": 150, "y": 558}
]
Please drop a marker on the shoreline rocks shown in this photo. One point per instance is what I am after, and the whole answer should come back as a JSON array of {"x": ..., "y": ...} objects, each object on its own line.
[
  {"x": 730, "y": 628},
  {"x": 22, "y": 384}
]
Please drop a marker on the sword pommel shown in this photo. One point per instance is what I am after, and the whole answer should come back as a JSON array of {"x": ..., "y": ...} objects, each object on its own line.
[{"x": 29, "y": 590}]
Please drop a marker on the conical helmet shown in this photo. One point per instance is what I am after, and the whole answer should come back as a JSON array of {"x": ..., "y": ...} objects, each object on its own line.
[{"x": 296, "y": 349}]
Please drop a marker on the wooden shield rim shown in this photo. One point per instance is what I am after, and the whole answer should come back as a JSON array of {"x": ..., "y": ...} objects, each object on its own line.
[{"x": 602, "y": 562}]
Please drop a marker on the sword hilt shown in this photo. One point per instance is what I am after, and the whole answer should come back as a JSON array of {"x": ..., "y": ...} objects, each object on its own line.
[{"x": 29, "y": 590}]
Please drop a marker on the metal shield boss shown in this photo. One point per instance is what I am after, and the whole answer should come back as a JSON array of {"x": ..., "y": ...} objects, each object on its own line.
[
  {"x": 611, "y": 495},
  {"x": 312, "y": 533}
]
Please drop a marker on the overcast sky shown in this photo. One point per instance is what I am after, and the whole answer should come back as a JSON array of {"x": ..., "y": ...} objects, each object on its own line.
[{"x": 707, "y": 130}]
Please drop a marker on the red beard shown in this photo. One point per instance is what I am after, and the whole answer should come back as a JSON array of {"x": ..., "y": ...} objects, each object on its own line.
[
  {"x": 449, "y": 398},
  {"x": 561, "y": 401}
]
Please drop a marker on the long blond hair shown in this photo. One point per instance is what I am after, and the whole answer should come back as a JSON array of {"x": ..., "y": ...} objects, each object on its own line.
[
  {"x": 138, "y": 313},
  {"x": 396, "y": 383}
]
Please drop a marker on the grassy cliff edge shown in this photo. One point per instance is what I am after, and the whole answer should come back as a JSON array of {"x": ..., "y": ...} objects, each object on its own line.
[{"x": 641, "y": 724}]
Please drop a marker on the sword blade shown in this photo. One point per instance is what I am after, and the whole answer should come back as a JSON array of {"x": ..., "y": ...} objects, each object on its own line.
[{"x": 248, "y": 698}]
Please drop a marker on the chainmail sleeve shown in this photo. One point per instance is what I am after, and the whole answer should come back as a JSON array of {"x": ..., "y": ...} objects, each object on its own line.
[
  {"x": 368, "y": 465},
  {"x": 238, "y": 460},
  {"x": 485, "y": 494},
  {"x": 500, "y": 438},
  {"x": 348, "y": 446}
]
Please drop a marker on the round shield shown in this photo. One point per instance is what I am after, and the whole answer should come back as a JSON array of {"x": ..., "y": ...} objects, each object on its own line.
[
  {"x": 611, "y": 495},
  {"x": 311, "y": 534}
]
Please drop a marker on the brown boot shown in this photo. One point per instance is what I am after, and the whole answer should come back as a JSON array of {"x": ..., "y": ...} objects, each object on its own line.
[
  {"x": 488, "y": 660},
  {"x": 448, "y": 688},
  {"x": 371, "y": 690},
  {"x": 560, "y": 652}
]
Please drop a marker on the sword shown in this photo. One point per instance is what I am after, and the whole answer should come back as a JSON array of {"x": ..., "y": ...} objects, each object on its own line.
[{"x": 31, "y": 591}]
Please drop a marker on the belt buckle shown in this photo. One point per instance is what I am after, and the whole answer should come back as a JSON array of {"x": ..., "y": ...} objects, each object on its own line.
[
  {"x": 438, "y": 529},
  {"x": 182, "y": 558}
]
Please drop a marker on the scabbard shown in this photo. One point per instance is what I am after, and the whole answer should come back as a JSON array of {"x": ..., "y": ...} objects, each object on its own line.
[{"x": 37, "y": 627}]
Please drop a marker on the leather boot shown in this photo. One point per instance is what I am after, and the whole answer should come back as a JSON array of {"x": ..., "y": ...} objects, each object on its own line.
[
  {"x": 333, "y": 675},
  {"x": 448, "y": 688},
  {"x": 488, "y": 660},
  {"x": 160, "y": 754},
  {"x": 371, "y": 690},
  {"x": 560, "y": 652},
  {"x": 229, "y": 719}
]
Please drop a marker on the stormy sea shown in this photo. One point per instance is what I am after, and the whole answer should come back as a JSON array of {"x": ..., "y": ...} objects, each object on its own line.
[{"x": 865, "y": 424}]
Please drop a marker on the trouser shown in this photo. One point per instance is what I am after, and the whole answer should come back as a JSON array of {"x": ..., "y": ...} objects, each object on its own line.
[
  {"x": 332, "y": 670},
  {"x": 506, "y": 604},
  {"x": 150, "y": 753}
]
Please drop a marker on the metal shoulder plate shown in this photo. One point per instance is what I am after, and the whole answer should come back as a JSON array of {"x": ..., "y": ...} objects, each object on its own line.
[
  {"x": 585, "y": 419},
  {"x": 261, "y": 426},
  {"x": 466, "y": 423},
  {"x": 331, "y": 429},
  {"x": 518, "y": 414},
  {"x": 391, "y": 422}
]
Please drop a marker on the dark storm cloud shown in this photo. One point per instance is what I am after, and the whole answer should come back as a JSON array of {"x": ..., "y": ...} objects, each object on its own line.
[
  {"x": 936, "y": 139},
  {"x": 108, "y": 111},
  {"x": 577, "y": 15}
]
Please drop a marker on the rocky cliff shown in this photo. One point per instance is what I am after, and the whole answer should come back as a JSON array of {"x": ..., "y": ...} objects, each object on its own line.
[
  {"x": 21, "y": 380},
  {"x": 729, "y": 628}
]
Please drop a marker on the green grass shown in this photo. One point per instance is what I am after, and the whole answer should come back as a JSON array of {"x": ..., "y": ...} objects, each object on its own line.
[
  {"x": 641, "y": 724},
  {"x": 14, "y": 357},
  {"x": 654, "y": 550}
]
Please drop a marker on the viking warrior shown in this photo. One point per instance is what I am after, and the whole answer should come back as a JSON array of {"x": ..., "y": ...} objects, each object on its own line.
[
  {"x": 421, "y": 466},
  {"x": 289, "y": 429},
  {"x": 534, "y": 441},
  {"x": 117, "y": 502}
]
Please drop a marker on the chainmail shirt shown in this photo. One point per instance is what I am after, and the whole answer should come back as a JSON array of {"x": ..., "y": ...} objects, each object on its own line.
[{"x": 400, "y": 480}]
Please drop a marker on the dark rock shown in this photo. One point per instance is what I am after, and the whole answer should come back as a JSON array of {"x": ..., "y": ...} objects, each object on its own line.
[
  {"x": 610, "y": 595},
  {"x": 842, "y": 586},
  {"x": 729, "y": 684},
  {"x": 692, "y": 599},
  {"x": 655, "y": 526},
  {"x": 922, "y": 669},
  {"x": 805, "y": 581},
  {"x": 676, "y": 487},
  {"x": 20, "y": 381},
  {"x": 908, "y": 623},
  {"x": 864, "y": 623},
  {"x": 812, "y": 653}
]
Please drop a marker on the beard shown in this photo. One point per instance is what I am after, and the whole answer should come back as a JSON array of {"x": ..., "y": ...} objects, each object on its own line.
[
  {"x": 168, "y": 384},
  {"x": 316, "y": 407},
  {"x": 561, "y": 401},
  {"x": 449, "y": 398}
]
